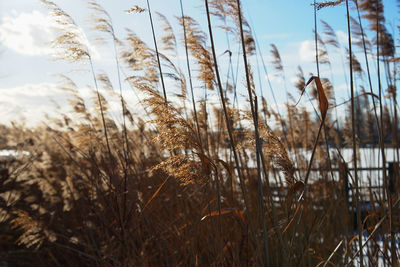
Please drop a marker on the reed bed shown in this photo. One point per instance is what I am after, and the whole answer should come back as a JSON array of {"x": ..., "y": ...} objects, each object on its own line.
[{"x": 187, "y": 182}]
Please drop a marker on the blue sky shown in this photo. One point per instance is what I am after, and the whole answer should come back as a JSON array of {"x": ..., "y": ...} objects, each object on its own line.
[{"x": 28, "y": 74}]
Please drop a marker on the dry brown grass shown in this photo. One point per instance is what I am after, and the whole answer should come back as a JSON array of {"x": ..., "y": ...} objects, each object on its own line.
[{"x": 166, "y": 189}]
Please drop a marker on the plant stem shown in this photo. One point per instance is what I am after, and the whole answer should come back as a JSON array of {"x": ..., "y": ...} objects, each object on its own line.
[
  {"x": 189, "y": 73},
  {"x": 101, "y": 107},
  {"x": 353, "y": 125},
  {"x": 227, "y": 120},
  {"x": 256, "y": 135},
  {"x": 156, "y": 48},
  {"x": 382, "y": 145}
]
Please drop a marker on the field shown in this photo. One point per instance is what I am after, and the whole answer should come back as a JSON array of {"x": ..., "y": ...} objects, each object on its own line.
[{"x": 184, "y": 179}]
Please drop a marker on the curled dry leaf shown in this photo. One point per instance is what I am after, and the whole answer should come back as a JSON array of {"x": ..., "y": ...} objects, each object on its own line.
[
  {"x": 322, "y": 99},
  {"x": 236, "y": 212}
]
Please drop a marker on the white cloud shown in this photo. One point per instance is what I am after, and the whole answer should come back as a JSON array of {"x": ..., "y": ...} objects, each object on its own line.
[
  {"x": 27, "y": 33},
  {"x": 31, "y": 33},
  {"x": 32, "y": 91},
  {"x": 342, "y": 37},
  {"x": 276, "y": 78},
  {"x": 293, "y": 79},
  {"x": 30, "y": 101},
  {"x": 307, "y": 51}
]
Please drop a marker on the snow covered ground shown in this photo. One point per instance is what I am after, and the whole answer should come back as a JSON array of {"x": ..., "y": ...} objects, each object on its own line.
[{"x": 370, "y": 158}]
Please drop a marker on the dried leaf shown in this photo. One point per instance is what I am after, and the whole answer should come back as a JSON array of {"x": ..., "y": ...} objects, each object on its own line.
[
  {"x": 294, "y": 188},
  {"x": 293, "y": 217},
  {"x": 225, "y": 165},
  {"x": 322, "y": 99},
  {"x": 156, "y": 193},
  {"x": 206, "y": 162},
  {"x": 216, "y": 213}
]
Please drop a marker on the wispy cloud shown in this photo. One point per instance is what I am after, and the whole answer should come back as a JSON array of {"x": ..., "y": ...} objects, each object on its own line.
[
  {"x": 30, "y": 34},
  {"x": 27, "y": 33},
  {"x": 30, "y": 101}
]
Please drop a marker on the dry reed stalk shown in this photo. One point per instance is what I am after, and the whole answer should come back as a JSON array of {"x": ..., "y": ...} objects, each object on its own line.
[
  {"x": 354, "y": 143},
  {"x": 280, "y": 118},
  {"x": 376, "y": 227},
  {"x": 227, "y": 120},
  {"x": 379, "y": 125},
  {"x": 66, "y": 187},
  {"x": 277, "y": 62},
  {"x": 189, "y": 73},
  {"x": 103, "y": 23},
  {"x": 157, "y": 54},
  {"x": 71, "y": 48},
  {"x": 323, "y": 105},
  {"x": 382, "y": 145},
  {"x": 254, "y": 111},
  {"x": 374, "y": 13},
  {"x": 323, "y": 56}
]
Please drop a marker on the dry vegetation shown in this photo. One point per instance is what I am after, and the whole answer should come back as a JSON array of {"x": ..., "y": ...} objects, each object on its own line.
[{"x": 177, "y": 186}]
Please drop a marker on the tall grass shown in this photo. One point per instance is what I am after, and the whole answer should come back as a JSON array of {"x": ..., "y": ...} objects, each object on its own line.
[{"x": 206, "y": 184}]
